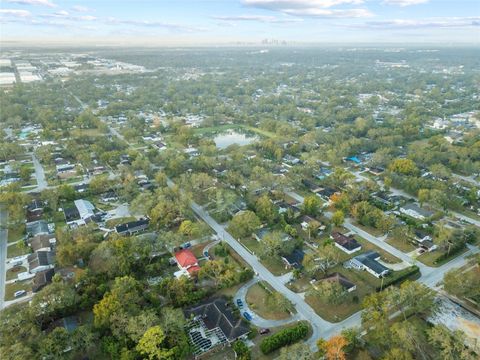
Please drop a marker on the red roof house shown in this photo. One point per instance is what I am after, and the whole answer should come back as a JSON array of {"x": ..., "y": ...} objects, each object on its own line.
[{"x": 186, "y": 260}]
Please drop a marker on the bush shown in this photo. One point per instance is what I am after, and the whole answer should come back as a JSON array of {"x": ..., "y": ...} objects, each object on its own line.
[
  {"x": 284, "y": 337},
  {"x": 399, "y": 277}
]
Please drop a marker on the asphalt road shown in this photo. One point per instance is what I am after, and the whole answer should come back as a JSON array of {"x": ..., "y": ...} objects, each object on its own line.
[{"x": 39, "y": 174}]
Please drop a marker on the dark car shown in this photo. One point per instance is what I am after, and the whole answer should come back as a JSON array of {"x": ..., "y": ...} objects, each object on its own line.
[
  {"x": 247, "y": 316},
  {"x": 239, "y": 303},
  {"x": 264, "y": 331}
]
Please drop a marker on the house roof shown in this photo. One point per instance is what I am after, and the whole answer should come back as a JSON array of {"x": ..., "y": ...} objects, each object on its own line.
[
  {"x": 186, "y": 259},
  {"x": 41, "y": 242},
  {"x": 71, "y": 214},
  {"x": 85, "y": 208},
  {"x": 132, "y": 226},
  {"x": 347, "y": 242},
  {"x": 219, "y": 313},
  {"x": 40, "y": 258},
  {"x": 342, "y": 280},
  {"x": 418, "y": 210},
  {"x": 41, "y": 279},
  {"x": 37, "y": 227},
  {"x": 369, "y": 259},
  {"x": 295, "y": 258}
]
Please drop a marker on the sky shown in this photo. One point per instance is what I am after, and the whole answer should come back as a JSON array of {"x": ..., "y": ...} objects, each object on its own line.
[{"x": 210, "y": 22}]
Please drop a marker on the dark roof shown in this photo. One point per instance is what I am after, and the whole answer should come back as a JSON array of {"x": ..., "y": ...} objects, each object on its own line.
[
  {"x": 41, "y": 279},
  {"x": 71, "y": 214},
  {"x": 132, "y": 226},
  {"x": 219, "y": 313},
  {"x": 295, "y": 258},
  {"x": 327, "y": 192},
  {"x": 40, "y": 258},
  {"x": 35, "y": 205},
  {"x": 369, "y": 259},
  {"x": 40, "y": 242},
  {"x": 342, "y": 280},
  {"x": 79, "y": 187},
  {"x": 347, "y": 242}
]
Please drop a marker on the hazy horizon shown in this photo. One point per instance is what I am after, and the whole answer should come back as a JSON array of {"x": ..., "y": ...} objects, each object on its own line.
[{"x": 213, "y": 22}]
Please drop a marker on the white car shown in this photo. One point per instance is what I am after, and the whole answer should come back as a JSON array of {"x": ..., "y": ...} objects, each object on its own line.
[{"x": 19, "y": 293}]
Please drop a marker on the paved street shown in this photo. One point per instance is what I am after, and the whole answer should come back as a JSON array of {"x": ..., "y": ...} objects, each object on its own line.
[
  {"x": 3, "y": 252},
  {"x": 257, "y": 320},
  {"x": 39, "y": 174}
]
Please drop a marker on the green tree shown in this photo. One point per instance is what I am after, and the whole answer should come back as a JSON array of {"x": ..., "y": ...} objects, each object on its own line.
[
  {"x": 243, "y": 224},
  {"x": 152, "y": 345},
  {"x": 338, "y": 218}
]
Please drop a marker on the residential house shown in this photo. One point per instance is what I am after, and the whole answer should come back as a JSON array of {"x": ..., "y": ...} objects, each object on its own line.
[
  {"x": 416, "y": 212},
  {"x": 187, "y": 263},
  {"x": 369, "y": 262},
  {"x": 42, "y": 279},
  {"x": 42, "y": 242},
  {"x": 132, "y": 227},
  {"x": 40, "y": 261},
  {"x": 347, "y": 244},
  {"x": 34, "y": 210},
  {"x": 294, "y": 259},
  {"x": 85, "y": 212},
  {"x": 39, "y": 227},
  {"x": 214, "y": 323},
  {"x": 337, "y": 278},
  {"x": 80, "y": 188}
]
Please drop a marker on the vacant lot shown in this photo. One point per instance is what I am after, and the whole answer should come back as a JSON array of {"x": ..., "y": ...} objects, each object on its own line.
[
  {"x": 260, "y": 300},
  {"x": 405, "y": 246}
]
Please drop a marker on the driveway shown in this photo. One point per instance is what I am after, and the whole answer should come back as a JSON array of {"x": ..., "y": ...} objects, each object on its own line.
[{"x": 256, "y": 319}]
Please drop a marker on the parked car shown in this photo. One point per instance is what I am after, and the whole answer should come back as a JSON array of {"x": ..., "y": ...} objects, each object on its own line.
[
  {"x": 247, "y": 316},
  {"x": 19, "y": 293},
  {"x": 264, "y": 331},
  {"x": 17, "y": 263},
  {"x": 239, "y": 303},
  {"x": 186, "y": 245}
]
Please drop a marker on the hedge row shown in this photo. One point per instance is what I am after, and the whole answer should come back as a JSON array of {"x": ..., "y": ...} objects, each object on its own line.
[
  {"x": 284, "y": 337},
  {"x": 399, "y": 277}
]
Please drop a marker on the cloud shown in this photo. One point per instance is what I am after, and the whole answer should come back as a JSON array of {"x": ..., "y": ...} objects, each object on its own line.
[
  {"x": 257, "y": 18},
  {"x": 15, "y": 13},
  {"x": 281, "y": 5},
  {"x": 404, "y": 3},
  {"x": 46, "y": 3},
  {"x": 153, "y": 24},
  {"x": 312, "y": 8},
  {"x": 79, "y": 8},
  {"x": 449, "y": 22}
]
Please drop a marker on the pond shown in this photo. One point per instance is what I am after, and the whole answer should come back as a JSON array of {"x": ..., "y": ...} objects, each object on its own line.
[{"x": 230, "y": 137}]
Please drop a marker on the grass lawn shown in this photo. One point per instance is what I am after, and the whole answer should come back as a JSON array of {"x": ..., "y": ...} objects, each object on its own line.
[
  {"x": 369, "y": 229},
  {"x": 299, "y": 285},
  {"x": 198, "y": 249},
  {"x": 275, "y": 265},
  {"x": 16, "y": 233},
  {"x": 114, "y": 222},
  {"x": 13, "y": 272},
  {"x": 404, "y": 246},
  {"x": 10, "y": 289},
  {"x": 260, "y": 301},
  {"x": 429, "y": 258},
  {"x": 17, "y": 250}
]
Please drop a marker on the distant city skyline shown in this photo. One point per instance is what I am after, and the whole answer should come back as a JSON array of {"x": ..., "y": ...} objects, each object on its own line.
[{"x": 209, "y": 22}]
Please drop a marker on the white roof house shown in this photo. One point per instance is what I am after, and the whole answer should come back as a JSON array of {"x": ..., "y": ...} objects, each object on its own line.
[{"x": 85, "y": 208}]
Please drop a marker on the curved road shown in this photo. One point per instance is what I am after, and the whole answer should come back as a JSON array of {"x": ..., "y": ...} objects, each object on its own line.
[{"x": 257, "y": 320}]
